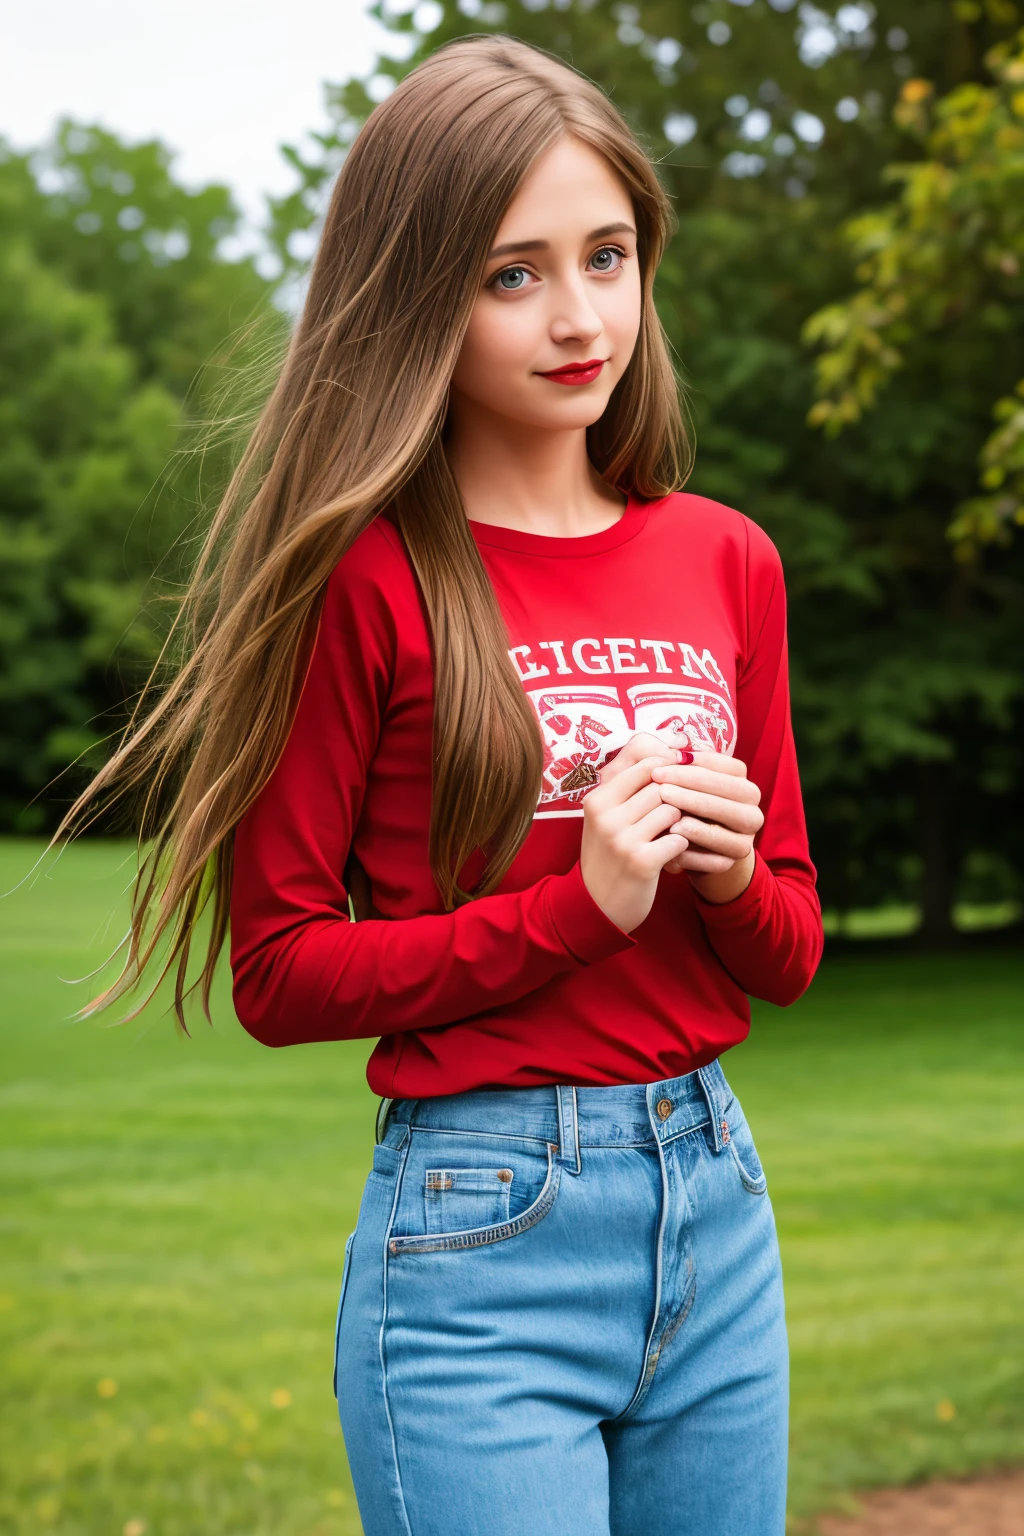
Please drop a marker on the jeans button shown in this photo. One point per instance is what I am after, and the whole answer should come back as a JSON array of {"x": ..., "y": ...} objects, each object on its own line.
[{"x": 664, "y": 1108}]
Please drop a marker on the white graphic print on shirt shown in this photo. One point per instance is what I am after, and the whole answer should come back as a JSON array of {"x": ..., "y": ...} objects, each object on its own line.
[{"x": 584, "y": 724}]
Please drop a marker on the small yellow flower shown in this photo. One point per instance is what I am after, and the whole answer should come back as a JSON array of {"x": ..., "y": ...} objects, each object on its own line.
[
  {"x": 106, "y": 1386},
  {"x": 199, "y": 1417},
  {"x": 945, "y": 1412},
  {"x": 1017, "y": 103},
  {"x": 134, "y": 1528},
  {"x": 916, "y": 90},
  {"x": 281, "y": 1397},
  {"x": 336, "y": 1498}
]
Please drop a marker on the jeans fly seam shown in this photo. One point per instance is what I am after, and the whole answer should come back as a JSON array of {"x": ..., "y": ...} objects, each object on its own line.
[
  {"x": 380, "y": 1343},
  {"x": 645, "y": 1372}
]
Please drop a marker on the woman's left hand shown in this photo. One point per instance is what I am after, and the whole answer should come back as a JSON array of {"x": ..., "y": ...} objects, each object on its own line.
[{"x": 720, "y": 819}]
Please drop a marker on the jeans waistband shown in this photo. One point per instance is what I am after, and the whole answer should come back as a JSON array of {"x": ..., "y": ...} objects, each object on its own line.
[{"x": 626, "y": 1115}]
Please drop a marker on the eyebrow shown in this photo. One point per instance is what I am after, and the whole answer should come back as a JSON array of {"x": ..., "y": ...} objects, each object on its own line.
[{"x": 515, "y": 246}]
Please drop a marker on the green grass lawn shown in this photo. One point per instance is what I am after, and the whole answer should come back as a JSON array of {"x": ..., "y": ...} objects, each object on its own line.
[{"x": 175, "y": 1214}]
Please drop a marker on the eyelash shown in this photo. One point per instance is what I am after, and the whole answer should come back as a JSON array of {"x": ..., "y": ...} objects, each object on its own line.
[{"x": 492, "y": 282}]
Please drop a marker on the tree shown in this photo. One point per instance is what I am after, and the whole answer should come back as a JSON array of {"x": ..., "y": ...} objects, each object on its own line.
[
  {"x": 114, "y": 296},
  {"x": 937, "y": 324}
]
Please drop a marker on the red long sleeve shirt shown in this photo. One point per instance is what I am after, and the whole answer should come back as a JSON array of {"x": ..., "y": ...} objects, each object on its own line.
[{"x": 674, "y": 616}]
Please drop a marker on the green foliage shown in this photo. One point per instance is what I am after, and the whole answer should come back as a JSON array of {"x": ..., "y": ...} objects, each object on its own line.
[
  {"x": 114, "y": 298},
  {"x": 176, "y": 1214},
  {"x": 944, "y": 257}
]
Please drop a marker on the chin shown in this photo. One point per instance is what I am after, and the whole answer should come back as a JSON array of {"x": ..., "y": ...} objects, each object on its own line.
[{"x": 570, "y": 415}]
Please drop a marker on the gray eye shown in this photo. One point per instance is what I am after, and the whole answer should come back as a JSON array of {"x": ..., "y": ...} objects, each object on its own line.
[
  {"x": 605, "y": 260},
  {"x": 512, "y": 278}
]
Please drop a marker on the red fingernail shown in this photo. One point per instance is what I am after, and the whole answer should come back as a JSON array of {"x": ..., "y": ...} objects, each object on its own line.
[{"x": 686, "y": 757}]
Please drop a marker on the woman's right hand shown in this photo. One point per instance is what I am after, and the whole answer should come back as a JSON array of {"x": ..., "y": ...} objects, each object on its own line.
[{"x": 626, "y": 841}]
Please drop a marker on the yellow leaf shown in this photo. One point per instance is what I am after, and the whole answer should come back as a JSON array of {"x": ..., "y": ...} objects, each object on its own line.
[{"x": 915, "y": 91}]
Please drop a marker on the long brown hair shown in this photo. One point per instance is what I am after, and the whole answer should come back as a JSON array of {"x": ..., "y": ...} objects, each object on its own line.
[{"x": 354, "y": 427}]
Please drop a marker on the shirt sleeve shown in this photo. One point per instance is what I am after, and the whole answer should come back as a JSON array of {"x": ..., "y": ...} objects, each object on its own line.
[
  {"x": 770, "y": 938},
  {"x": 302, "y": 970}
]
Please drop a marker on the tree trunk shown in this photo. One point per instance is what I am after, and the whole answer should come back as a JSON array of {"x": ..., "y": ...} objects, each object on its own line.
[{"x": 938, "y": 857}]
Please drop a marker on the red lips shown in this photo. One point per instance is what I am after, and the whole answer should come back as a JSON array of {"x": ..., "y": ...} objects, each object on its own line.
[{"x": 576, "y": 373}]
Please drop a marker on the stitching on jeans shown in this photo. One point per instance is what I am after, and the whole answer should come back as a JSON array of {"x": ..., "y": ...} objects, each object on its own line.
[
  {"x": 478, "y": 1237},
  {"x": 439, "y": 1130},
  {"x": 668, "y": 1333},
  {"x": 688, "y": 1130},
  {"x": 346, "y": 1267},
  {"x": 750, "y": 1184},
  {"x": 644, "y": 1382},
  {"x": 380, "y": 1341}
]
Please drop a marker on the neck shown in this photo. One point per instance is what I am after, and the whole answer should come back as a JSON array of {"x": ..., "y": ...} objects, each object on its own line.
[{"x": 515, "y": 476}]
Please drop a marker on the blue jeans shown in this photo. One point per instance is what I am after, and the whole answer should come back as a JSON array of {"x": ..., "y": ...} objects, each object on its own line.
[{"x": 561, "y": 1315}]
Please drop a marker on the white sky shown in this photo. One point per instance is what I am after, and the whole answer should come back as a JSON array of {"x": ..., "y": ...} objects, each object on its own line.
[{"x": 221, "y": 81}]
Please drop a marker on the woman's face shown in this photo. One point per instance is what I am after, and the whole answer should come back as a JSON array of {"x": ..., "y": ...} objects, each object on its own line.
[{"x": 561, "y": 288}]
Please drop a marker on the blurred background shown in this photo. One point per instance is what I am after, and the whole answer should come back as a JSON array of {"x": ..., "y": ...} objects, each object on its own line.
[{"x": 846, "y": 302}]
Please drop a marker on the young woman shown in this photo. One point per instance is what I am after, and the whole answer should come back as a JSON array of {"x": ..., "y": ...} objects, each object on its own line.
[{"x": 465, "y": 656}]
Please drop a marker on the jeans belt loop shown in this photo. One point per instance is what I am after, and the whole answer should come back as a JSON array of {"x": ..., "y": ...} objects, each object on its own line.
[
  {"x": 708, "y": 1078},
  {"x": 568, "y": 1129},
  {"x": 383, "y": 1110}
]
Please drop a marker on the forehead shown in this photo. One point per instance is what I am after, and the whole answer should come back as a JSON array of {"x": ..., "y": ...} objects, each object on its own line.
[{"x": 570, "y": 190}]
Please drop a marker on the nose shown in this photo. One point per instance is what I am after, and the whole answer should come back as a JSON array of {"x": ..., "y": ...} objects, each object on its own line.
[{"x": 575, "y": 318}]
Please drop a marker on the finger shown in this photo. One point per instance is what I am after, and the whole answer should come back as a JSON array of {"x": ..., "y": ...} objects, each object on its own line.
[
  {"x": 713, "y": 839},
  {"x": 699, "y": 862},
  {"x": 657, "y": 821},
  {"x": 707, "y": 780},
  {"x": 621, "y": 785},
  {"x": 721, "y": 762},
  {"x": 736, "y": 815},
  {"x": 648, "y": 799},
  {"x": 667, "y": 850},
  {"x": 638, "y": 747},
  {"x": 661, "y": 851}
]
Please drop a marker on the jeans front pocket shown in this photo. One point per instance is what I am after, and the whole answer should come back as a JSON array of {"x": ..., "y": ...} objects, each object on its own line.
[
  {"x": 470, "y": 1189},
  {"x": 341, "y": 1302},
  {"x": 458, "y": 1198},
  {"x": 744, "y": 1152}
]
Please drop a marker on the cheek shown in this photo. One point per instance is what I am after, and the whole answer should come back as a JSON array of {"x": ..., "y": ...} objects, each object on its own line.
[
  {"x": 499, "y": 339},
  {"x": 620, "y": 313}
]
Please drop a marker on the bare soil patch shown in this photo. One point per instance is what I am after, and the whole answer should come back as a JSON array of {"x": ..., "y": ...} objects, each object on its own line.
[{"x": 991, "y": 1506}]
